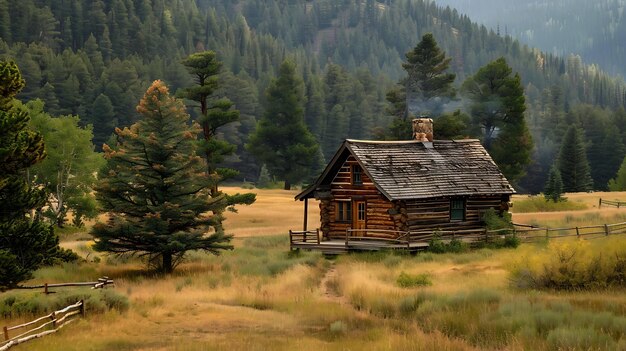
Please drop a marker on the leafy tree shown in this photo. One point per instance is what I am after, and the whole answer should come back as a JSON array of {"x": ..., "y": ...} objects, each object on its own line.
[
  {"x": 554, "y": 185},
  {"x": 572, "y": 162},
  {"x": 282, "y": 140},
  {"x": 156, "y": 188},
  {"x": 26, "y": 243},
  {"x": 497, "y": 110},
  {"x": 619, "y": 182},
  {"x": 451, "y": 125},
  {"x": 68, "y": 173}
]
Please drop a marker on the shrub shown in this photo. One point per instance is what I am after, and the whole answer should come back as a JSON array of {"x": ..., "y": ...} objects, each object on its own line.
[
  {"x": 338, "y": 327},
  {"x": 406, "y": 280},
  {"x": 573, "y": 266},
  {"x": 437, "y": 245}
]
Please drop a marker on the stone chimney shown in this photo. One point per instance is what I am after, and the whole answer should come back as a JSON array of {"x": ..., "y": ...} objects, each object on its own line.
[{"x": 423, "y": 129}]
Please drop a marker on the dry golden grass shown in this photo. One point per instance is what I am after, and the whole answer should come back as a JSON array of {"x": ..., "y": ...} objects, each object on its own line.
[{"x": 258, "y": 297}]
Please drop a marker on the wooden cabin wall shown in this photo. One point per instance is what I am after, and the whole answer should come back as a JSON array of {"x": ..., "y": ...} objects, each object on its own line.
[
  {"x": 435, "y": 212},
  {"x": 377, "y": 206}
]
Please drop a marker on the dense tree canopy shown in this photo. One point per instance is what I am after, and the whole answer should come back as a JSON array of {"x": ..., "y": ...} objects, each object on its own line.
[
  {"x": 282, "y": 140},
  {"x": 156, "y": 189},
  {"x": 497, "y": 114},
  {"x": 572, "y": 162},
  {"x": 26, "y": 243}
]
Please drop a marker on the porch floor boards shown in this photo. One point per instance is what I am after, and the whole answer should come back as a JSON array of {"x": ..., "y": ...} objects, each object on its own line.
[{"x": 334, "y": 246}]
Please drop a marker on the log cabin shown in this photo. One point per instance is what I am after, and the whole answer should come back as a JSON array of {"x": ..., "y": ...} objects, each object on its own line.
[{"x": 390, "y": 189}]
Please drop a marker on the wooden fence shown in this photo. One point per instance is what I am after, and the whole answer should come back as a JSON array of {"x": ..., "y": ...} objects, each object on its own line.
[
  {"x": 42, "y": 326},
  {"x": 531, "y": 233},
  {"x": 609, "y": 203},
  {"x": 101, "y": 283}
]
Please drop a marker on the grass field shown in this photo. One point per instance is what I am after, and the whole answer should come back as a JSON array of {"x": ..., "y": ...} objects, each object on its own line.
[{"x": 261, "y": 297}]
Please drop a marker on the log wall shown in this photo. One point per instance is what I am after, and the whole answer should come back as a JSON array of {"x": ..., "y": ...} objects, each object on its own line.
[
  {"x": 377, "y": 206},
  {"x": 434, "y": 213}
]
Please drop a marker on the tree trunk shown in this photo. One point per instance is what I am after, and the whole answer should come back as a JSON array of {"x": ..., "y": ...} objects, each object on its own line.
[
  {"x": 167, "y": 263},
  {"x": 287, "y": 185}
]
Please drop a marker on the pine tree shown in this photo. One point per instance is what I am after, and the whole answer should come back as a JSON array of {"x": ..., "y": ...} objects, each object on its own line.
[
  {"x": 619, "y": 182},
  {"x": 156, "y": 189},
  {"x": 573, "y": 164},
  {"x": 427, "y": 84},
  {"x": 497, "y": 111},
  {"x": 282, "y": 140},
  {"x": 554, "y": 186},
  {"x": 103, "y": 120},
  {"x": 214, "y": 112},
  {"x": 26, "y": 243}
]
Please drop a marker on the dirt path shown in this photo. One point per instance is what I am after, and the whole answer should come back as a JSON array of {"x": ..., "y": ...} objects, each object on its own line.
[{"x": 326, "y": 290}]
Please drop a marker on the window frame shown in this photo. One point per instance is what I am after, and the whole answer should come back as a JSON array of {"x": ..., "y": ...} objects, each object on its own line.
[
  {"x": 343, "y": 211},
  {"x": 356, "y": 175},
  {"x": 455, "y": 211}
]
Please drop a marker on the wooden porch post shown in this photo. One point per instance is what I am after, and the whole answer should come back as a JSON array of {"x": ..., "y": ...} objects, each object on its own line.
[{"x": 306, "y": 213}]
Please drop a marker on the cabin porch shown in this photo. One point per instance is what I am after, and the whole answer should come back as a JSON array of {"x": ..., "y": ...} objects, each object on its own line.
[{"x": 371, "y": 240}]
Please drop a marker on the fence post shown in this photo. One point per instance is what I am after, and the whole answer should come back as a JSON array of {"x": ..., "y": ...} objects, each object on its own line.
[
  {"x": 6, "y": 333},
  {"x": 45, "y": 288},
  {"x": 577, "y": 233},
  {"x": 53, "y": 316},
  {"x": 547, "y": 231},
  {"x": 606, "y": 229},
  {"x": 347, "y": 231},
  {"x": 82, "y": 308},
  {"x": 600, "y": 203},
  {"x": 318, "y": 235}
]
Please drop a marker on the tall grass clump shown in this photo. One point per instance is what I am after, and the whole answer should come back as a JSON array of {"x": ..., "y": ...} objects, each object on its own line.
[
  {"x": 406, "y": 280},
  {"x": 573, "y": 265},
  {"x": 540, "y": 204},
  {"x": 20, "y": 303}
]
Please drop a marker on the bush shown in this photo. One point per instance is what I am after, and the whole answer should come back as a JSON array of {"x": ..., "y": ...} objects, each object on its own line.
[
  {"x": 573, "y": 266},
  {"x": 20, "y": 303},
  {"x": 437, "y": 245},
  {"x": 406, "y": 280},
  {"x": 338, "y": 327}
]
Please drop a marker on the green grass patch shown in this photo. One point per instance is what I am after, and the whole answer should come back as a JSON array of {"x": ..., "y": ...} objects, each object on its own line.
[
  {"x": 540, "y": 204},
  {"x": 406, "y": 280}
]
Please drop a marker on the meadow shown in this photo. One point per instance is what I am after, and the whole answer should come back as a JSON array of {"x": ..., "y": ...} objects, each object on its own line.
[{"x": 261, "y": 296}]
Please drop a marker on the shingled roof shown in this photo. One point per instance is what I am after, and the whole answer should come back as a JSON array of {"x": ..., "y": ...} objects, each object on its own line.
[{"x": 404, "y": 170}]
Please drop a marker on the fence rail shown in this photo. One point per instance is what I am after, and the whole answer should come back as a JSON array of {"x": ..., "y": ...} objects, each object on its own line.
[
  {"x": 99, "y": 284},
  {"x": 42, "y": 326},
  {"x": 617, "y": 204}
]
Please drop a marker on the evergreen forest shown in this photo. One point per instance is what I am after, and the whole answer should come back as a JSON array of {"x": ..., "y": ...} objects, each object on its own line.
[{"x": 95, "y": 59}]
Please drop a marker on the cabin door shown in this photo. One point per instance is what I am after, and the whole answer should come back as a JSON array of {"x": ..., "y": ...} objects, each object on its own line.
[{"x": 358, "y": 217}]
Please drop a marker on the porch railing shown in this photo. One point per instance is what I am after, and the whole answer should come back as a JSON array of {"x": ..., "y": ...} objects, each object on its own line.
[{"x": 304, "y": 236}]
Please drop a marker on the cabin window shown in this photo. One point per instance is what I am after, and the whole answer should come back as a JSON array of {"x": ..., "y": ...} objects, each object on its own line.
[
  {"x": 344, "y": 211},
  {"x": 360, "y": 211},
  {"x": 457, "y": 210},
  {"x": 357, "y": 178}
]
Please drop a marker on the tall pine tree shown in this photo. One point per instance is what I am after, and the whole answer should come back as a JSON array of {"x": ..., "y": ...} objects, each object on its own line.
[
  {"x": 497, "y": 110},
  {"x": 573, "y": 164},
  {"x": 156, "y": 188},
  {"x": 26, "y": 243},
  {"x": 282, "y": 140}
]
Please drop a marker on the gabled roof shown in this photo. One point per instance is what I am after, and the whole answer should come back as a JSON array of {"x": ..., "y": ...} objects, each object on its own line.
[{"x": 404, "y": 170}]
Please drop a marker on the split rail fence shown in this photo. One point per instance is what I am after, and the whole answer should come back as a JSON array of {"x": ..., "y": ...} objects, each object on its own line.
[
  {"x": 99, "y": 284},
  {"x": 42, "y": 326},
  {"x": 617, "y": 204}
]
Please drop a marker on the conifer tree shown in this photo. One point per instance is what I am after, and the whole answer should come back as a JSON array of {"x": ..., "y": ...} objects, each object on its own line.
[
  {"x": 554, "y": 185},
  {"x": 425, "y": 90},
  {"x": 156, "y": 188},
  {"x": 619, "y": 182},
  {"x": 573, "y": 164},
  {"x": 282, "y": 140},
  {"x": 497, "y": 111},
  {"x": 214, "y": 114},
  {"x": 26, "y": 243}
]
